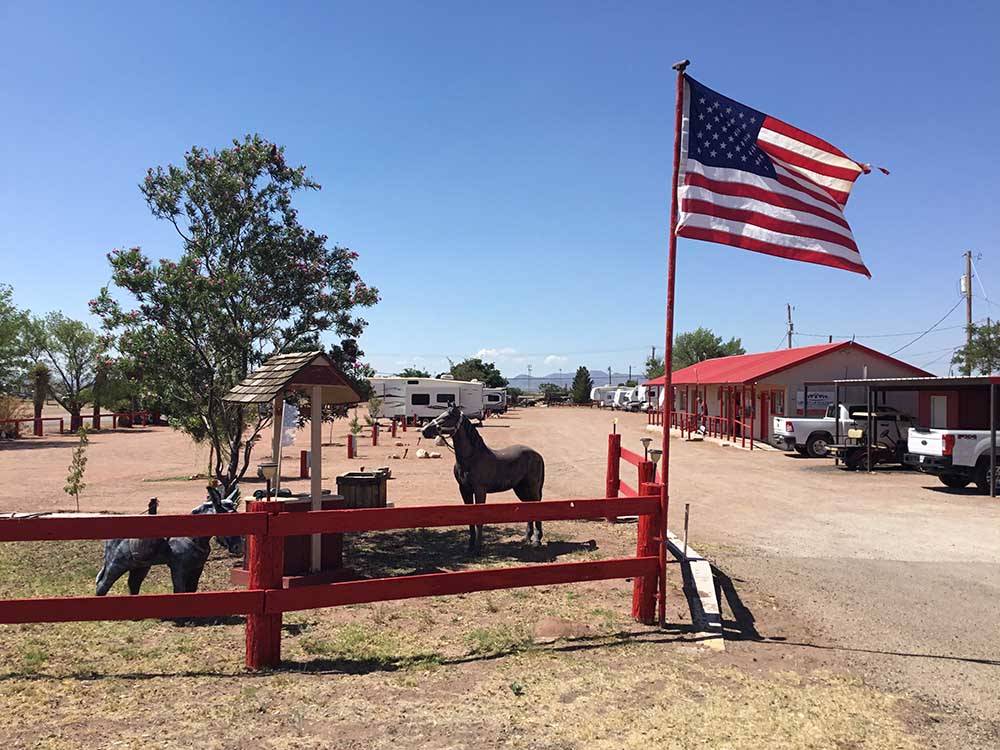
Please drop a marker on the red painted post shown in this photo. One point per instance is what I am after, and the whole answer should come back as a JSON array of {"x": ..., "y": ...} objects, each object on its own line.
[
  {"x": 404, "y": 423},
  {"x": 350, "y": 446},
  {"x": 61, "y": 426},
  {"x": 647, "y": 545},
  {"x": 303, "y": 464},
  {"x": 374, "y": 435},
  {"x": 612, "y": 476},
  {"x": 38, "y": 428},
  {"x": 393, "y": 427},
  {"x": 265, "y": 562}
]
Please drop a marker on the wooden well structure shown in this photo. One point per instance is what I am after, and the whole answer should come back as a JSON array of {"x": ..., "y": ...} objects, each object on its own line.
[{"x": 315, "y": 375}]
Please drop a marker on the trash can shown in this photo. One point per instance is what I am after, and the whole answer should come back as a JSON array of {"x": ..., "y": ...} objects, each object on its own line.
[{"x": 362, "y": 489}]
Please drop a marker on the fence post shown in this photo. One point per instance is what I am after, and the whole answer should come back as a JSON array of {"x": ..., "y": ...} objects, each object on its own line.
[
  {"x": 303, "y": 464},
  {"x": 393, "y": 428},
  {"x": 265, "y": 562},
  {"x": 39, "y": 430},
  {"x": 647, "y": 545},
  {"x": 613, "y": 475},
  {"x": 374, "y": 435},
  {"x": 350, "y": 445}
]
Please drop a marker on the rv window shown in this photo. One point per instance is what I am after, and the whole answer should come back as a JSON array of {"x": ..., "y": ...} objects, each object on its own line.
[
  {"x": 492, "y": 397},
  {"x": 413, "y": 382},
  {"x": 446, "y": 398},
  {"x": 420, "y": 399}
]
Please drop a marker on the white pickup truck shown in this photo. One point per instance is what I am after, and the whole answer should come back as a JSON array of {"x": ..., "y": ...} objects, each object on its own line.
[
  {"x": 956, "y": 457},
  {"x": 813, "y": 437}
]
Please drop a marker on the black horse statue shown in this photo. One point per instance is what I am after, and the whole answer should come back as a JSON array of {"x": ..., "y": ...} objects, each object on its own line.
[
  {"x": 184, "y": 555},
  {"x": 480, "y": 470}
]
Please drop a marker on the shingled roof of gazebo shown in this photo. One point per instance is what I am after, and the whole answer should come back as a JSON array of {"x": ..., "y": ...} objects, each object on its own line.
[{"x": 294, "y": 371}]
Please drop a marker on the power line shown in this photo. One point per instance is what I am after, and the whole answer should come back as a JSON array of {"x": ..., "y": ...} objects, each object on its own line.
[
  {"x": 872, "y": 335},
  {"x": 928, "y": 330}
]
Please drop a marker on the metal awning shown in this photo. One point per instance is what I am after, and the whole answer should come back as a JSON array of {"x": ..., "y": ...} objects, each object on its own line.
[
  {"x": 922, "y": 384},
  {"x": 294, "y": 371}
]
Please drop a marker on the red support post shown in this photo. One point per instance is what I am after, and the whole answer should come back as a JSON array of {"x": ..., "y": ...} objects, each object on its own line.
[
  {"x": 647, "y": 545},
  {"x": 38, "y": 428},
  {"x": 613, "y": 476},
  {"x": 393, "y": 427},
  {"x": 404, "y": 423},
  {"x": 265, "y": 561},
  {"x": 61, "y": 426},
  {"x": 375, "y": 435},
  {"x": 350, "y": 446},
  {"x": 303, "y": 464}
]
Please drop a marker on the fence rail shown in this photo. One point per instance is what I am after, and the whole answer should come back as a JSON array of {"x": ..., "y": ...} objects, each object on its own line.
[
  {"x": 266, "y": 526},
  {"x": 38, "y": 424}
]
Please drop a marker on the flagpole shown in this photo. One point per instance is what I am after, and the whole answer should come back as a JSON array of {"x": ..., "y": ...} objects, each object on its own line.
[{"x": 668, "y": 353}]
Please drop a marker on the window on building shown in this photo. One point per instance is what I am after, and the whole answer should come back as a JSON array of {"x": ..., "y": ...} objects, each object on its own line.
[
  {"x": 446, "y": 398},
  {"x": 420, "y": 399}
]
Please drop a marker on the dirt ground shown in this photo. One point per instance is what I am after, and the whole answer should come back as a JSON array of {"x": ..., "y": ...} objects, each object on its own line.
[{"x": 860, "y": 611}]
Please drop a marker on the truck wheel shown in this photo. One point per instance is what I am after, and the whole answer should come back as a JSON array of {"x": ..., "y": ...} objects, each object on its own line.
[
  {"x": 818, "y": 445},
  {"x": 982, "y": 476},
  {"x": 955, "y": 481}
]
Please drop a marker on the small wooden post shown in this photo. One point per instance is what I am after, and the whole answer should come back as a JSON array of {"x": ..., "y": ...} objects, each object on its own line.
[
  {"x": 375, "y": 435},
  {"x": 39, "y": 430},
  {"x": 61, "y": 426},
  {"x": 265, "y": 561},
  {"x": 394, "y": 427},
  {"x": 647, "y": 545},
  {"x": 613, "y": 476},
  {"x": 303, "y": 464}
]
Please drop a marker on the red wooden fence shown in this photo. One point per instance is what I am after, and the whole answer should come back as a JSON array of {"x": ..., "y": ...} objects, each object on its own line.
[
  {"x": 39, "y": 424},
  {"x": 266, "y": 526},
  {"x": 722, "y": 427}
]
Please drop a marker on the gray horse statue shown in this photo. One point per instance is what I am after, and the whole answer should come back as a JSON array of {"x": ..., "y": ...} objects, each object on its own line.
[
  {"x": 184, "y": 555},
  {"x": 480, "y": 470}
]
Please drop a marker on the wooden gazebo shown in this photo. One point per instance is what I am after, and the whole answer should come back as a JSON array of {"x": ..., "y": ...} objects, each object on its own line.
[{"x": 314, "y": 374}]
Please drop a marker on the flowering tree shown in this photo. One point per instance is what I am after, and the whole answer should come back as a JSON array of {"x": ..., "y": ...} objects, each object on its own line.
[{"x": 251, "y": 281}]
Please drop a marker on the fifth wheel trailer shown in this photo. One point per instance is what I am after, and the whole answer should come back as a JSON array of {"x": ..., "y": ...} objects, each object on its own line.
[{"x": 425, "y": 398}]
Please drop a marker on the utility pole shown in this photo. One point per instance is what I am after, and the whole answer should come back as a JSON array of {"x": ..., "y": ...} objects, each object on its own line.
[
  {"x": 791, "y": 326},
  {"x": 630, "y": 373},
  {"x": 609, "y": 374},
  {"x": 968, "y": 312}
]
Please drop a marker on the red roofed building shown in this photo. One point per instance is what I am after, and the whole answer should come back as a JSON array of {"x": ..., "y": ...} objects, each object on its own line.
[{"x": 738, "y": 395}]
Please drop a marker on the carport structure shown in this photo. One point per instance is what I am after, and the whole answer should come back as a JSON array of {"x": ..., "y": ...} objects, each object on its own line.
[{"x": 966, "y": 402}]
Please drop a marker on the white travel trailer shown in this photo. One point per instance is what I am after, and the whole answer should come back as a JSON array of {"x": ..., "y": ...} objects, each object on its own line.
[
  {"x": 425, "y": 398},
  {"x": 622, "y": 397},
  {"x": 603, "y": 396},
  {"x": 494, "y": 400}
]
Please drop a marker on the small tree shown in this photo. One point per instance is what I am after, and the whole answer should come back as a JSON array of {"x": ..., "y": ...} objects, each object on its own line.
[
  {"x": 77, "y": 465},
  {"x": 701, "y": 344},
  {"x": 474, "y": 368},
  {"x": 374, "y": 409},
  {"x": 73, "y": 351},
  {"x": 413, "y": 372},
  {"x": 250, "y": 281},
  {"x": 582, "y": 385},
  {"x": 982, "y": 354},
  {"x": 12, "y": 343},
  {"x": 654, "y": 367}
]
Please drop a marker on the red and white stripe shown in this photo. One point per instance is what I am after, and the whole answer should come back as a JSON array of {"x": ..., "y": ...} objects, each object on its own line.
[{"x": 797, "y": 215}]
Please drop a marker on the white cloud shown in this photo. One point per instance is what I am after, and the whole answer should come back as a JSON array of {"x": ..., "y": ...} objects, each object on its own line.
[
  {"x": 504, "y": 352},
  {"x": 555, "y": 360}
]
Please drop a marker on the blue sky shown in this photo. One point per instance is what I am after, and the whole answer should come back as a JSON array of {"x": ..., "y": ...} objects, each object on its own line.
[{"x": 503, "y": 168}]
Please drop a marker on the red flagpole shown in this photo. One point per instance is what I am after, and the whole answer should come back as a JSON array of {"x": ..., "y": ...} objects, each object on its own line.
[{"x": 668, "y": 354}]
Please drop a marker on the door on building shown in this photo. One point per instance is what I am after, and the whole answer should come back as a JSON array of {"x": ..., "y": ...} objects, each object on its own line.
[{"x": 939, "y": 412}]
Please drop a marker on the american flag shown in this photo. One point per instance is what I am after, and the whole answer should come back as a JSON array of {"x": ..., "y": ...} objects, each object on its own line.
[{"x": 750, "y": 180}]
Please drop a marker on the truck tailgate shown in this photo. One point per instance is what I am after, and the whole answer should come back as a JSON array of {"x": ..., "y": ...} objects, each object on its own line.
[{"x": 926, "y": 442}]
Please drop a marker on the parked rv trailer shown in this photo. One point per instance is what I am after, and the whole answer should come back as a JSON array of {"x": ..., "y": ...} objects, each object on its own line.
[
  {"x": 494, "y": 400},
  {"x": 425, "y": 398},
  {"x": 603, "y": 396}
]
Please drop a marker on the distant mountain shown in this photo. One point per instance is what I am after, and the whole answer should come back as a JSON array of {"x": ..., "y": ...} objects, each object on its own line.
[{"x": 565, "y": 379}]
